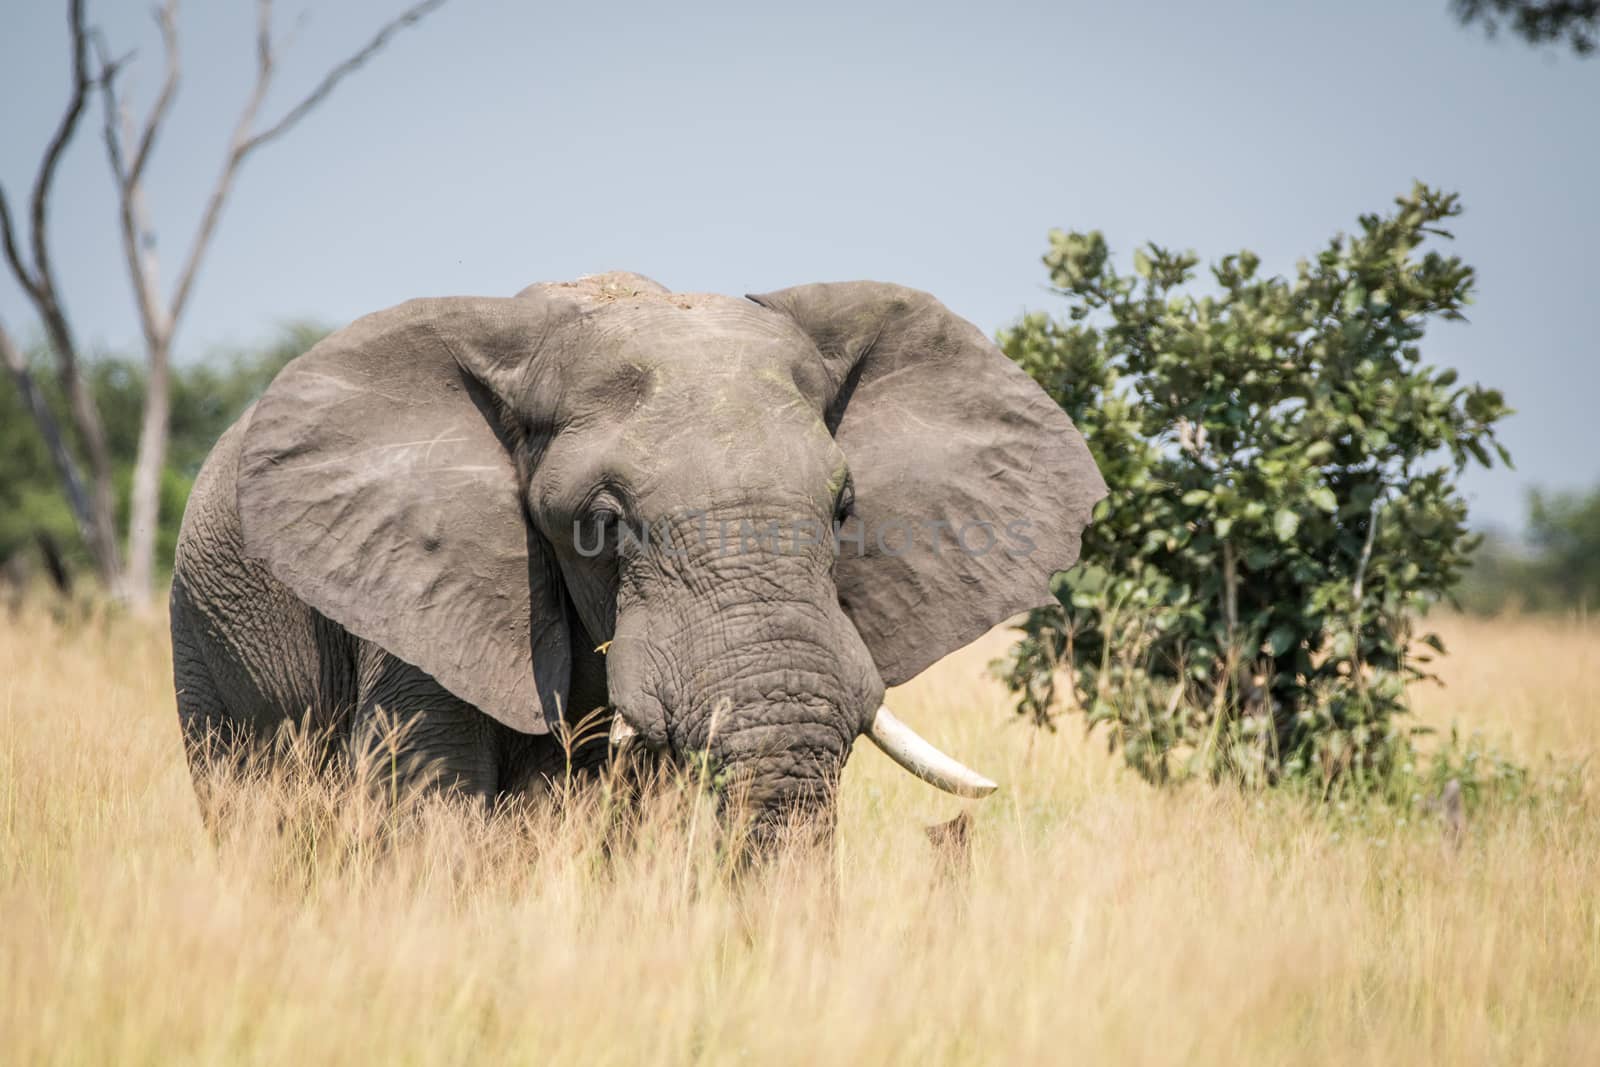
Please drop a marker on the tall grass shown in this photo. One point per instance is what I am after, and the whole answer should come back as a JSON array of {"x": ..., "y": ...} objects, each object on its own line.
[{"x": 1102, "y": 921}]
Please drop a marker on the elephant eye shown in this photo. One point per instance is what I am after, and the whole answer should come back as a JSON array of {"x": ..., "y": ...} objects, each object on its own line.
[
  {"x": 603, "y": 511},
  {"x": 597, "y": 518}
]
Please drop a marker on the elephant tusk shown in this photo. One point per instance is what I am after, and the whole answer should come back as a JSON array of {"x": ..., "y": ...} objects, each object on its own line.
[
  {"x": 621, "y": 732},
  {"x": 901, "y": 744}
]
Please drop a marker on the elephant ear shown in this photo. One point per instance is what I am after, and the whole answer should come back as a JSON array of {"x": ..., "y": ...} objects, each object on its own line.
[
  {"x": 972, "y": 487},
  {"x": 376, "y": 482}
]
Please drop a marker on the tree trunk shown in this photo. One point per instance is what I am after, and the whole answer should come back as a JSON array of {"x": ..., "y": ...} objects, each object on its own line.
[
  {"x": 92, "y": 506},
  {"x": 92, "y": 435},
  {"x": 144, "y": 512},
  {"x": 102, "y": 493}
]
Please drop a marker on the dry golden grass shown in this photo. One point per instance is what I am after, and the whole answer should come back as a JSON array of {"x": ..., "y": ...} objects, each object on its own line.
[{"x": 1104, "y": 921}]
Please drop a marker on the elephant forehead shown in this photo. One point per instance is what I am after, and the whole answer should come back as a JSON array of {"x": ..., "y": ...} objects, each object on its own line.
[
  {"x": 705, "y": 404},
  {"x": 686, "y": 325},
  {"x": 626, "y": 334},
  {"x": 658, "y": 357}
]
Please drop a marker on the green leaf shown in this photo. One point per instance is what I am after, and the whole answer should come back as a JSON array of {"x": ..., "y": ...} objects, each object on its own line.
[{"x": 1285, "y": 523}]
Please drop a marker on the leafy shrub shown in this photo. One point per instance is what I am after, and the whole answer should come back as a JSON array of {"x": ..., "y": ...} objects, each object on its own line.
[{"x": 1283, "y": 504}]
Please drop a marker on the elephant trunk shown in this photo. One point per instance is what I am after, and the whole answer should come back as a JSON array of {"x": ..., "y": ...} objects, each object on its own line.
[
  {"x": 766, "y": 695},
  {"x": 746, "y": 668}
]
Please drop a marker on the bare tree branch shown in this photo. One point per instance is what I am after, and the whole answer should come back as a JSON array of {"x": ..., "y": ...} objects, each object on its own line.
[
  {"x": 39, "y": 278},
  {"x": 160, "y": 320},
  {"x": 224, "y": 185},
  {"x": 93, "y": 510},
  {"x": 264, "y": 39},
  {"x": 155, "y": 319},
  {"x": 13, "y": 253},
  {"x": 129, "y": 148},
  {"x": 331, "y": 81},
  {"x": 36, "y": 278},
  {"x": 132, "y": 218},
  {"x": 1357, "y": 588},
  {"x": 44, "y": 276},
  {"x": 244, "y": 142},
  {"x": 167, "y": 19}
]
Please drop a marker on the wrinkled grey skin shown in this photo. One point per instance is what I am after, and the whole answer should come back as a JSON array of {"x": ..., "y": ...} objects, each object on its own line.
[{"x": 398, "y": 524}]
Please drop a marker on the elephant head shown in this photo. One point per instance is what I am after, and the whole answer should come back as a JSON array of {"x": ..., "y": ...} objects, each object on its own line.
[{"x": 764, "y": 510}]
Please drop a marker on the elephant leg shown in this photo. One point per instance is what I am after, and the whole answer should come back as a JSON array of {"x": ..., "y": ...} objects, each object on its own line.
[
  {"x": 213, "y": 743},
  {"x": 217, "y": 744},
  {"x": 250, "y": 662},
  {"x": 414, "y": 734}
]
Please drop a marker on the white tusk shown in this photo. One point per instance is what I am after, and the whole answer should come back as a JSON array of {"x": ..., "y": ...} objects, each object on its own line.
[
  {"x": 621, "y": 732},
  {"x": 901, "y": 744}
]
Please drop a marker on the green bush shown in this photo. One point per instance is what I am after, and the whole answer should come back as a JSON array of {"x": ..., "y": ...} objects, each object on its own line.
[
  {"x": 206, "y": 398},
  {"x": 1282, "y": 468}
]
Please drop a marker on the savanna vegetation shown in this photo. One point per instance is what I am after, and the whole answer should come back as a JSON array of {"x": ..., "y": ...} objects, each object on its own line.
[
  {"x": 1099, "y": 921},
  {"x": 1441, "y": 911},
  {"x": 1285, "y": 509},
  {"x": 1264, "y": 600}
]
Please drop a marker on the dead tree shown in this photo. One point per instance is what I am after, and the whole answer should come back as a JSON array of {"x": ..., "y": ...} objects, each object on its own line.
[
  {"x": 93, "y": 503},
  {"x": 129, "y": 145}
]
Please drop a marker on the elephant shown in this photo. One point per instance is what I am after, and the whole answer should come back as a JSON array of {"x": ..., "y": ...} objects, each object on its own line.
[{"x": 501, "y": 516}]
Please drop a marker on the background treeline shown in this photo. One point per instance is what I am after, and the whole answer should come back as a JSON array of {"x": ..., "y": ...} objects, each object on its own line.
[
  {"x": 1555, "y": 567},
  {"x": 38, "y": 538}
]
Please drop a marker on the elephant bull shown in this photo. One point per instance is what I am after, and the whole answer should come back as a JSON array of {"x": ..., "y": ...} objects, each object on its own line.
[{"x": 728, "y": 523}]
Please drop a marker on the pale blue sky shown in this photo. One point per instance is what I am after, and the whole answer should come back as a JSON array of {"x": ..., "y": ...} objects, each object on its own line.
[{"x": 743, "y": 147}]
